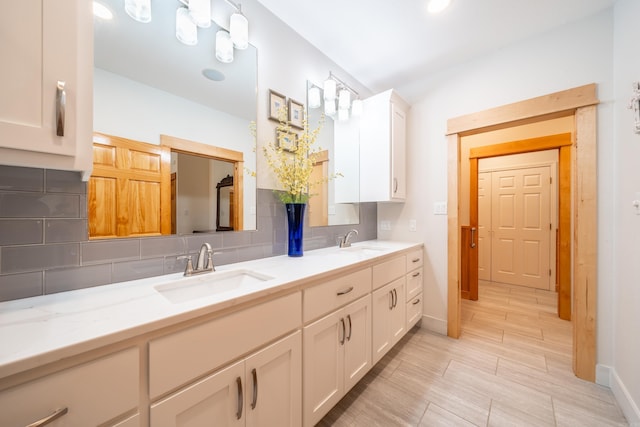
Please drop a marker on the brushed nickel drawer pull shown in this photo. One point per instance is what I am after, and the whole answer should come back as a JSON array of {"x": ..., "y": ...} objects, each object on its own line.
[
  {"x": 61, "y": 104},
  {"x": 344, "y": 331},
  {"x": 416, "y": 301},
  {"x": 254, "y": 401},
  {"x": 50, "y": 418},
  {"x": 390, "y": 300},
  {"x": 395, "y": 298},
  {"x": 346, "y": 291},
  {"x": 240, "y": 399},
  {"x": 349, "y": 319}
]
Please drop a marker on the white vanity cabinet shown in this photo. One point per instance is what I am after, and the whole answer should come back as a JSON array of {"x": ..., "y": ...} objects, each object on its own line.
[
  {"x": 99, "y": 392},
  {"x": 383, "y": 148},
  {"x": 336, "y": 355},
  {"x": 263, "y": 389},
  {"x": 46, "y": 111}
]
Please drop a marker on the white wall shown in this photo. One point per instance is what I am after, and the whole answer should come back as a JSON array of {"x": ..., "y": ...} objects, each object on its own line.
[
  {"x": 574, "y": 55},
  {"x": 625, "y": 372}
]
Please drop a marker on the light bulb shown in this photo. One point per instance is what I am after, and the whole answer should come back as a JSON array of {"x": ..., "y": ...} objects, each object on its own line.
[
  {"x": 224, "y": 47},
  {"x": 140, "y": 10},
  {"x": 344, "y": 99},
  {"x": 186, "y": 30},
  {"x": 200, "y": 11},
  {"x": 329, "y": 89},
  {"x": 314, "y": 97},
  {"x": 239, "y": 29}
]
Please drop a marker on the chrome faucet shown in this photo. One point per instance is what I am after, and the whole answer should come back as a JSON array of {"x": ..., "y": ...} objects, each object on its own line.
[
  {"x": 344, "y": 241},
  {"x": 202, "y": 265}
]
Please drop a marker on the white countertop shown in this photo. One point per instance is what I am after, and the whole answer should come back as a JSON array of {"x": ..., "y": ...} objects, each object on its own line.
[{"x": 40, "y": 330}]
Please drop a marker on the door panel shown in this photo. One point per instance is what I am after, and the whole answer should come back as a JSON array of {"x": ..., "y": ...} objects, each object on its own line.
[{"x": 484, "y": 226}]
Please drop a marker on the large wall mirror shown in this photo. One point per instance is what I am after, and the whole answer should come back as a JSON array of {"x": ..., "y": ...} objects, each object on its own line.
[
  {"x": 336, "y": 202},
  {"x": 147, "y": 84}
]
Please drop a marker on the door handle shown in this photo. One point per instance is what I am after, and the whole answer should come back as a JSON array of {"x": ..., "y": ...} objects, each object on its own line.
[
  {"x": 349, "y": 319},
  {"x": 254, "y": 400},
  {"x": 344, "y": 331},
  {"x": 473, "y": 237},
  {"x": 240, "y": 399}
]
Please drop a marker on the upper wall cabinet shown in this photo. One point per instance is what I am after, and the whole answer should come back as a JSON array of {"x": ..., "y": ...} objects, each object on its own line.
[
  {"x": 46, "y": 114},
  {"x": 383, "y": 148}
]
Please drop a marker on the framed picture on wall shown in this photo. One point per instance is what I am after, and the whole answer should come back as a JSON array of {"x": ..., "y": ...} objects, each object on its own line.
[
  {"x": 288, "y": 141},
  {"x": 276, "y": 102},
  {"x": 296, "y": 114}
]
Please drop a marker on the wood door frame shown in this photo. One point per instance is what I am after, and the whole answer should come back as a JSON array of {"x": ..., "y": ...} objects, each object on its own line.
[
  {"x": 561, "y": 142},
  {"x": 581, "y": 103}
]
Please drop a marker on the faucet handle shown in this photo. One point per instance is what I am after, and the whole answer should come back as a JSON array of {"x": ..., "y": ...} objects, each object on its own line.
[
  {"x": 188, "y": 271},
  {"x": 210, "y": 265}
]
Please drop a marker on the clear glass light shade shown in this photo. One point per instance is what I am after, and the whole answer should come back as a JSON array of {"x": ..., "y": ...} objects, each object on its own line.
[
  {"x": 356, "y": 108},
  {"x": 239, "y": 29},
  {"x": 344, "y": 99},
  {"x": 186, "y": 29},
  {"x": 314, "y": 97},
  {"x": 329, "y": 107},
  {"x": 329, "y": 89},
  {"x": 224, "y": 47},
  {"x": 343, "y": 115},
  {"x": 140, "y": 10},
  {"x": 200, "y": 11}
]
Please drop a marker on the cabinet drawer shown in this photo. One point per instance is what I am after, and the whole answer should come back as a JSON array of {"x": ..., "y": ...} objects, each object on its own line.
[
  {"x": 321, "y": 299},
  {"x": 388, "y": 271},
  {"x": 415, "y": 259},
  {"x": 414, "y": 311},
  {"x": 414, "y": 283},
  {"x": 93, "y": 393},
  {"x": 183, "y": 356}
]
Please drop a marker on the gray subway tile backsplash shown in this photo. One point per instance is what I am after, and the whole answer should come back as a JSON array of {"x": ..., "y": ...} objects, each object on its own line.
[{"x": 43, "y": 238}]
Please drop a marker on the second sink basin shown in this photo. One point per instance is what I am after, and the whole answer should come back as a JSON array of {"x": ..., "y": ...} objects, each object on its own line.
[
  {"x": 190, "y": 288},
  {"x": 365, "y": 250}
]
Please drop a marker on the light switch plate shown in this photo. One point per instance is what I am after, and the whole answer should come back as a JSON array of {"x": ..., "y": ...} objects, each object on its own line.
[
  {"x": 412, "y": 225},
  {"x": 440, "y": 208},
  {"x": 385, "y": 225}
]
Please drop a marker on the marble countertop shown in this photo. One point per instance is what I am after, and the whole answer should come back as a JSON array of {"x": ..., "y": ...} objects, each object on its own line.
[{"x": 40, "y": 330}]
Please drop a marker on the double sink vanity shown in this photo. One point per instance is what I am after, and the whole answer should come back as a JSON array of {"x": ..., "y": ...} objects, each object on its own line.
[{"x": 275, "y": 341}]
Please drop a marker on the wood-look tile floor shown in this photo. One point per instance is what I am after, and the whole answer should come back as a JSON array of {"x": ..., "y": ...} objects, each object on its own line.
[{"x": 510, "y": 367}]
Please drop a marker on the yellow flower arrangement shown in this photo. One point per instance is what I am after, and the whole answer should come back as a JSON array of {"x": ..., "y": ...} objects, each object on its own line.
[{"x": 292, "y": 163}]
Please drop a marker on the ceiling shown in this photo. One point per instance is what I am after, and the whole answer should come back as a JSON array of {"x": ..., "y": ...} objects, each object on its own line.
[{"x": 385, "y": 43}]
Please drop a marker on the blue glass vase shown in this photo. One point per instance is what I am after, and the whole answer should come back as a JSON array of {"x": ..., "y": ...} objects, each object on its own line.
[{"x": 295, "y": 222}]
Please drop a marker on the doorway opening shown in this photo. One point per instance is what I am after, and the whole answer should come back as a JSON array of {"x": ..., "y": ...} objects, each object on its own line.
[{"x": 580, "y": 267}]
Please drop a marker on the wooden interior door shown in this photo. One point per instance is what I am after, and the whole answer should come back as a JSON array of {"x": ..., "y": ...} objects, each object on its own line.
[{"x": 521, "y": 227}]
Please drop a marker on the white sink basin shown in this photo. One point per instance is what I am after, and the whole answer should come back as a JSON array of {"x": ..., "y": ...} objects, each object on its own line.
[
  {"x": 364, "y": 250},
  {"x": 190, "y": 288}
]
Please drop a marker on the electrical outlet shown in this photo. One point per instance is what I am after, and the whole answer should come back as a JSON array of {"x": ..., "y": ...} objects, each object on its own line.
[
  {"x": 385, "y": 225},
  {"x": 412, "y": 225}
]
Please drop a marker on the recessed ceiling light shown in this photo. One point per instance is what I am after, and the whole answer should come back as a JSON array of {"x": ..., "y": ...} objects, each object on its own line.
[
  {"x": 437, "y": 6},
  {"x": 102, "y": 11},
  {"x": 213, "y": 74}
]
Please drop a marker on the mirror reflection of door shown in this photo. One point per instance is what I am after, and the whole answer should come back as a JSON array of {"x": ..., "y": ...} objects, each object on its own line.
[
  {"x": 318, "y": 204},
  {"x": 224, "y": 204}
]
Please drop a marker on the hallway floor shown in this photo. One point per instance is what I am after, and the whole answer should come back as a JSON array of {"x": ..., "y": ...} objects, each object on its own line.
[{"x": 510, "y": 367}]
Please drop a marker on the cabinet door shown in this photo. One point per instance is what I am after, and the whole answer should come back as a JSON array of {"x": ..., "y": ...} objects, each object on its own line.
[
  {"x": 398, "y": 153},
  {"x": 357, "y": 348},
  {"x": 323, "y": 366},
  {"x": 216, "y": 400},
  {"x": 274, "y": 384},
  {"x": 388, "y": 322},
  {"x": 45, "y": 43}
]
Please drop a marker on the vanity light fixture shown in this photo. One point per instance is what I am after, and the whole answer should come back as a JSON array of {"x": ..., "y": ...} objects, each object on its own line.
[
  {"x": 332, "y": 85},
  {"x": 329, "y": 87},
  {"x": 186, "y": 29},
  {"x": 344, "y": 99},
  {"x": 437, "y": 6},
  {"x": 140, "y": 10},
  {"x": 314, "y": 97},
  {"x": 224, "y": 47},
  {"x": 329, "y": 107}
]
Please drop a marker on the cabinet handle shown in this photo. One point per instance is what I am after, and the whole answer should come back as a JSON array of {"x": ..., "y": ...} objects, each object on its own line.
[
  {"x": 346, "y": 291},
  {"x": 254, "y": 401},
  {"x": 50, "y": 418},
  {"x": 344, "y": 331},
  {"x": 416, "y": 274},
  {"x": 395, "y": 185},
  {"x": 473, "y": 237},
  {"x": 390, "y": 300},
  {"x": 61, "y": 103},
  {"x": 416, "y": 301},
  {"x": 240, "y": 399},
  {"x": 415, "y": 260},
  {"x": 349, "y": 319}
]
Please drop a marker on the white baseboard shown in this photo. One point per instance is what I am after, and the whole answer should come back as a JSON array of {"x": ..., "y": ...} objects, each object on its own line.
[
  {"x": 603, "y": 375},
  {"x": 628, "y": 406},
  {"x": 432, "y": 324}
]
